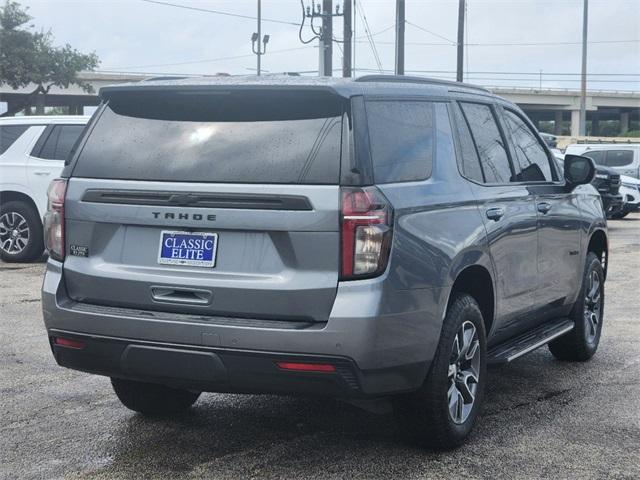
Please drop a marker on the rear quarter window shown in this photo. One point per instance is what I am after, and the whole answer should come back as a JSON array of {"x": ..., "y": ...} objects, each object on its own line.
[
  {"x": 9, "y": 134},
  {"x": 401, "y": 135},
  {"x": 56, "y": 142},
  {"x": 619, "y": 158}
]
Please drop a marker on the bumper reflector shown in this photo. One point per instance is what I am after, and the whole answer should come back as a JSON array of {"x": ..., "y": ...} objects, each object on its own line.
[
  {"x": 68, "y": 342},
  {"x": 306, "y": 367}
]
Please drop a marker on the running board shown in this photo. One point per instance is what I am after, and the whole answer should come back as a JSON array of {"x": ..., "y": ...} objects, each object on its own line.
[{"x": 516, "y": 347}]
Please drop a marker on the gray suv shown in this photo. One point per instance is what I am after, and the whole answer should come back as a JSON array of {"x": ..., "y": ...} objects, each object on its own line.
[{"x": 379, "y": 238}]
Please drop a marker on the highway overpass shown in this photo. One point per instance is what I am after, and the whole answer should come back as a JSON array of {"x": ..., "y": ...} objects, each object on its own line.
[{"x": 560, "y": 106}]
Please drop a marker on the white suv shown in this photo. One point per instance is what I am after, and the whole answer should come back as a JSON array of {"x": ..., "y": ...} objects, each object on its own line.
[
  {"x": 622, "y": 157},
  {"x": 32, "y": 153}
]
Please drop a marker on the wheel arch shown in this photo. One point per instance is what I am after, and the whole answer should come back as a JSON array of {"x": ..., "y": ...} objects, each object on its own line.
[
  {"x": 599, "y": 244},
  {"x": 13, "y": 195},
  {"x": 476, "y": 280}
]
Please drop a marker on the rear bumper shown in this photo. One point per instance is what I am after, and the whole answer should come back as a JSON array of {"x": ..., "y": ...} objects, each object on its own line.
[
  {"x": 374, "y": 354},
  {"x": 631, "y": 207},
  {"x": 206, "y": 369}
]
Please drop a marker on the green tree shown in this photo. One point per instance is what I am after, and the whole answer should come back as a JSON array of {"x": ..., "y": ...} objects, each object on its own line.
[{"x": 28, "y": 57}]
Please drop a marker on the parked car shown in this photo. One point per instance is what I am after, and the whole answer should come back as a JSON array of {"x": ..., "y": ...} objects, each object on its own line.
[
  {"x": 607, "y": 182},
  {"x": 32, "y": 153},
  {"x": 384, "y": 238},
  {"x": 624, "y": 158},
  {"x": 630, "y": 191},
  {"x": 550, "y": 140}
]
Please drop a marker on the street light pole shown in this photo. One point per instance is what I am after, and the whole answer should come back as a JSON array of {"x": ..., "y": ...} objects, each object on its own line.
[
  {"x": 262, "y": 41},
  {"x": 582, "y": 128},
  {"x": 259, "y": 54}
]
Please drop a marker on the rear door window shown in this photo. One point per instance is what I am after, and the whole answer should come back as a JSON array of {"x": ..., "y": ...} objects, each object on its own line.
[
  {"x": 9, "y": 134},
  {"x": 401, "y": 135},
  {"x": 619, "y": 158},
  {"x": 231, "y": 139},
  {"x": 533, "y": 163},
  {"x": 56, "y": 143},
  {"x": 489, "y": 143}
]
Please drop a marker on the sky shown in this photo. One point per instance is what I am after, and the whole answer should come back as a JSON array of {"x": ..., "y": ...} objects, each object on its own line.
[{"x": 524, "y": 43}]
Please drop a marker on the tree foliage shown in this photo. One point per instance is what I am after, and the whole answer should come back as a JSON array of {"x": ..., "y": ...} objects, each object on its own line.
[{"x": 29, "y": 57}]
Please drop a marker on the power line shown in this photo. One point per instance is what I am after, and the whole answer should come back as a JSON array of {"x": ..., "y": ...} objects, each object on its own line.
[
  {"x": 452, "y": 42},
  {"x": 502, "y": 44},
  {"x": 526, "y": 44},
  {"x": 441, "y": 44},
  {"x": 207, "y": 60},
  {"x": 219, "y": 12},
  {"x": 340, "y": 40},
  {"x": 372, "y": 44}
]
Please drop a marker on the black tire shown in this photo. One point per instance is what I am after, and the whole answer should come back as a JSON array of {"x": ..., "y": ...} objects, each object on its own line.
[
  {"x": 12, "y": 214},
  {"x": 581, "y": 343},
  {"x": 152, "y": 399},
  {"x": 425, "y": 414}
]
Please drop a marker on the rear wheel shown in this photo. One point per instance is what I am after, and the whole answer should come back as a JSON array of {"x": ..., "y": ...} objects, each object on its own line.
[
  {"x": 581, "y": 343},
  {"x": 21, "y": 237},
  {"x": 442, "y": 413},
  {"x": 153, "y": 399}
]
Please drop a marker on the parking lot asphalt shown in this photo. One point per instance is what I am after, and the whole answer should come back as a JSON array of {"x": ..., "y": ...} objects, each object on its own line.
[{"x": 541, "y": 419}]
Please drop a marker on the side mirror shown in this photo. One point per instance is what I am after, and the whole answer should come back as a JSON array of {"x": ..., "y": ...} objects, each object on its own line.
[{"x": 578, "y": 170}]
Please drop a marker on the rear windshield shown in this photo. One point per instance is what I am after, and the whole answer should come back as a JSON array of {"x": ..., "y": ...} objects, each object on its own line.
[{"x": 251, "y": 138}]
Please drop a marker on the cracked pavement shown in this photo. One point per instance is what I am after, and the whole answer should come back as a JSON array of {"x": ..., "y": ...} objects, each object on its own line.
[{"x": 541, "y": 418}]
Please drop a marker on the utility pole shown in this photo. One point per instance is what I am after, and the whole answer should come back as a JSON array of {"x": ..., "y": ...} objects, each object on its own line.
[
  {"x": 460, "y": 66},
  {"x": 353, "y": 14},
  {"x": 261, "y": 47},
  {"x": 400, "y": 23},
  {"x": 325, "y": 35},
  {"x": 326, "y": 39},
  {"x": 582, "y": 129},
  {"x": 347, "y": 33}
]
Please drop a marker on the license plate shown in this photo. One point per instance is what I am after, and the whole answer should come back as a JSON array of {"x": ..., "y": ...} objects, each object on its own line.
[{"x": 197, "y": 249}]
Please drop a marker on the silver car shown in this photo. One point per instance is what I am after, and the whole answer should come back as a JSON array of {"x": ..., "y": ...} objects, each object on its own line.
[{"x": 383, "y": 238}]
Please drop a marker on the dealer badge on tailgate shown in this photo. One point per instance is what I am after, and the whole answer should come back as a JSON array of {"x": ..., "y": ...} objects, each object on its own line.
[{"x": 197, "y": 249}]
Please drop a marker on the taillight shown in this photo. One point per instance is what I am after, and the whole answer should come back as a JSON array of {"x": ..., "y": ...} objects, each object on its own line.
[
  {"x": 54, "y": 219},
  {"x": 366, "y": 232}
]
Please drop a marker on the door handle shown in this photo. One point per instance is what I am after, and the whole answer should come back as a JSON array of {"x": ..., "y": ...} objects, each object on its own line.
[
  {"x": 544, "y": 207},
  {"x": 495, "y": 213},
  {"x": 42, "y": 173}
]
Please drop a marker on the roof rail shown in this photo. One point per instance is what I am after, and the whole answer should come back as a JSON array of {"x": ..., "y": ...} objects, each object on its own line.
[{"x": 412, "y": 79}]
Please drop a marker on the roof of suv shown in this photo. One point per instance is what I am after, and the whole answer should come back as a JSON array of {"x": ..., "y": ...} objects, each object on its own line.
[
  {"x": 345, "y": 87},
  {"x": 44, "y": 119}
]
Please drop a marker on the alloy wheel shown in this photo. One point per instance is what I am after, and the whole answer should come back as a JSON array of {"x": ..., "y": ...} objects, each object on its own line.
[
  {"x": 14, "y": 233},
  {"x": 593, "y": 306},
  {"x": 464, "y": 371}
]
